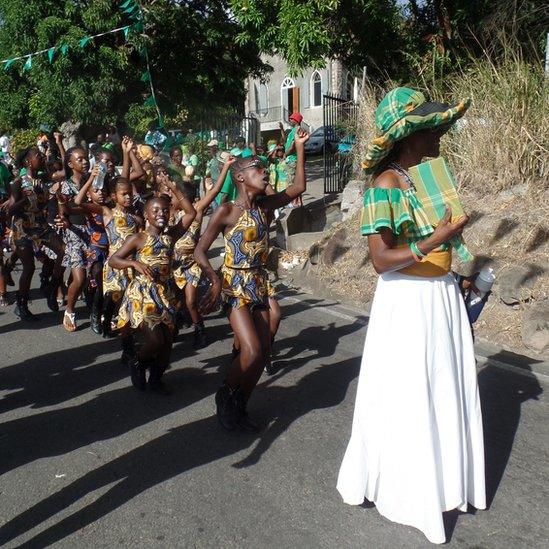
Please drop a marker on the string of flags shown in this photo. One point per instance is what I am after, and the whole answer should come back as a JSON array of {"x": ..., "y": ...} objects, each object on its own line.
[{"x": 134, "y": 12}]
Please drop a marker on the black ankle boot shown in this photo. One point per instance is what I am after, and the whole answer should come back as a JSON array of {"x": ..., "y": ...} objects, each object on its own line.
[
  {"x": 138, "y": 374},
  {"x": 108, "y": 307},
  {"x": 155, "y": 383},
  {"x": 199, "y": 335},
  {"x": 128, "y": 350},
  {"x": 244, "y": 421},
  {"x": 51, "y": 294},
  {"x": 227, "y": 413},
  {"x": 95, "y": 319},
  {"x": 22, "y": 310}
]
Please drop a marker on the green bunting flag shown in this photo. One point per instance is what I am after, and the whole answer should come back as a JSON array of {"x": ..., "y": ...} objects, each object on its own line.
[
  {"x": 8, "y": 64},
  {"x": 51, "y": 53},
  {"x": 150, "y": 101},
  {"x": 126, "y": 32},
  {"x": 64, "y": 49},
  {"x": 146, "y": 77},
  {"x": 126, "y": 3},
  {"x": 84, "y": 41},
  {"x": 28, "y": 64}
]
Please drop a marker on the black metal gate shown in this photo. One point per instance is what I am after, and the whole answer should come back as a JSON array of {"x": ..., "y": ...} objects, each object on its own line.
[{"x": 340, "y": 118}]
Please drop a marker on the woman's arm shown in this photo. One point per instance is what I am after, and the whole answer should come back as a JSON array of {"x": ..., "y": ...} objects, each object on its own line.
[
  {"x": 286, "y": 196},
  {"x": 217, "y": 224},
  {"x": 387, "y": 258},
  {"x": 119, "y": 260},
  {"x": 210, "y": 195}
]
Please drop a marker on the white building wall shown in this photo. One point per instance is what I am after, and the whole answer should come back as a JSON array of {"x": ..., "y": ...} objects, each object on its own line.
[{"x": 333, "y": 81}]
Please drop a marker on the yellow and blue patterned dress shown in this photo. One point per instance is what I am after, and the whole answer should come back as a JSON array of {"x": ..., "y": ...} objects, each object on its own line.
[
  {"x": 243, "y": 277},
  {"x": 122, "y": 225},
  {"x": 186, "y": 269},
  {"x": 146, "y": 301}
]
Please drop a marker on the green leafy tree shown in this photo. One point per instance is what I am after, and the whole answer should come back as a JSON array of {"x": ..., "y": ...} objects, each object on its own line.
[
  {"x": 194, "y": 61},
  {"x": 306, "y": 32}
]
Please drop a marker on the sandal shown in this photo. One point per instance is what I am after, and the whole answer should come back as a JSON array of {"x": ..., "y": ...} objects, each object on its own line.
[{"x": 69, "y": 321}]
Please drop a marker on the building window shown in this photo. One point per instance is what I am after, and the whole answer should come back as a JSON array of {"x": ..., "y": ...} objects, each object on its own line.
[
  {"x": 261, "y": 99},
  {"x": 290, "y": 95},
  {"x": 316, "y": 89}
]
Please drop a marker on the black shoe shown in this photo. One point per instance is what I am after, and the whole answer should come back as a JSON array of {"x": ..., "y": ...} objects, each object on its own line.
[
  {"x": 22, "y": 310},
  {"x": 244, "y": 422},
  {"x": 159, "y": 387},
  {"x": 138, "y": 374},
  {"x": 200, "y": 339},
  {"x": 227, "y": 413},
  {"x": 51, "y": 294},
  {"x": 156, "y": 384},
  {"x": 108, "y": 310},
  {"x": 269, "y": 368},
  {"x": 95, "y": 320}
]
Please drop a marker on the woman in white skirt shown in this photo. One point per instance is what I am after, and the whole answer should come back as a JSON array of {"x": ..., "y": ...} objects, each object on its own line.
[{"x": 416, "y": 448}]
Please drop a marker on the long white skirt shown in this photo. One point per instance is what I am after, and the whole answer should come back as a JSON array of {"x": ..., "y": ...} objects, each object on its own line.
[{"x": 416, "y": 447}]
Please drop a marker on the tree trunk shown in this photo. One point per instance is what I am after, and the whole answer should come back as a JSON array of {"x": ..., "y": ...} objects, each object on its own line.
[{"x": 443, "y": 18}]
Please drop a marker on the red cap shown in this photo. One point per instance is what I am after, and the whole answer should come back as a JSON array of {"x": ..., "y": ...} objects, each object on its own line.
[{"x": 297, "y": 117}]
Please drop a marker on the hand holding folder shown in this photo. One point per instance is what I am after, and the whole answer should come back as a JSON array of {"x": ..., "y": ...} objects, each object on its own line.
[{"x": 436, "y": 188}]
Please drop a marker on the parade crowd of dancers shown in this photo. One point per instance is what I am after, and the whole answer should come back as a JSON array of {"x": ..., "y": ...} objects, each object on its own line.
[{"x": 131, "y": 244}]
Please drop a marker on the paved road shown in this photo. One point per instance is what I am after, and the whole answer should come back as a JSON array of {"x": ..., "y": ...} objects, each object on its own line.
[{"x": 88, "y": 461}]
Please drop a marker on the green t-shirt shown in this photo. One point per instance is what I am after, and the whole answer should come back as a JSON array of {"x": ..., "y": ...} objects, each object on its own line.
[
  {"x": 229, "y": 188},
  {"x": 5, "y": 179},
  {"x": 289, "y": 140},
  {"x": 247, "y": 152}
]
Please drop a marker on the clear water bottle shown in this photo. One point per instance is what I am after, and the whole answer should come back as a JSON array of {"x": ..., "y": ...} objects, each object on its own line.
[
  {"x": 476, "y": 300},
  {"x": 99, "y": 180}
]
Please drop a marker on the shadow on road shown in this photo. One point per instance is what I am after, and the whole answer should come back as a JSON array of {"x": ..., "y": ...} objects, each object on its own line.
[
  {"x": 176, "y": 452},
  {"x": 502, "y": 395}
]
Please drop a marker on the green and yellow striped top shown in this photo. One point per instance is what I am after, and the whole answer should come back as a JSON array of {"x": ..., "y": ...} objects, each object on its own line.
[{"x": 402, "y": 213}]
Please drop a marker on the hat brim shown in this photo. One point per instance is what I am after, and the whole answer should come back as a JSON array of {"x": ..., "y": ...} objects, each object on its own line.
[{"x": 427, "y": 116}]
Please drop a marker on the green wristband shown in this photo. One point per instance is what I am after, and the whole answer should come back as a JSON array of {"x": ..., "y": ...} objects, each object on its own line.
[{"x": 416, "y": 250}]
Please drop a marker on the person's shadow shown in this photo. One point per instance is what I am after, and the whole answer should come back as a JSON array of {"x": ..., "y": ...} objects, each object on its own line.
[
  {"x": 180, "y": 450},
  {"x": 108, "y": 415},
  {"x": 502, "y": 394}
]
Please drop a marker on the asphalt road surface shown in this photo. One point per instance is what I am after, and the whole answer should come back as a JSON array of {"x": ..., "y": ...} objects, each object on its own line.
[{"x": 87, "y": 461}]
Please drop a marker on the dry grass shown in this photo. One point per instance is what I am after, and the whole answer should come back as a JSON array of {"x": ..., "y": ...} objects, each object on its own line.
[{"x": 500, "y": 156}]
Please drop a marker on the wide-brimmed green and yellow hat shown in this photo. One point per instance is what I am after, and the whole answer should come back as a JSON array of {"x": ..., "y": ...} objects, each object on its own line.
[{"x": 402, "y": 112}]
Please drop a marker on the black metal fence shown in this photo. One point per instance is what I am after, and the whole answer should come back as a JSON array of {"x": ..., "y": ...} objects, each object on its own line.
[{"x": 340, "y": 119}]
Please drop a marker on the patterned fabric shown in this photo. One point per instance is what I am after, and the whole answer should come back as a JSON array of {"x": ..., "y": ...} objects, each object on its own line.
[
  {"x": 122, "y": 225},
  {"x": 77, "y": 242},
  {"x": 278, "y": 177},
  {"x": 435, "y": 187},
  {"x": 243, "y": 278},
  {"x": 29, "y": 225},
  {"x": 396, "y": 209},
  {"x": 399, "y": 114},
  {"x": 150, "y": 302},
  {"x": 186, "y": 269},
  {"x": 97, "y": 231},
  {"x": 271, "y": 292},
  {"x": 95, "y": 254}
]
